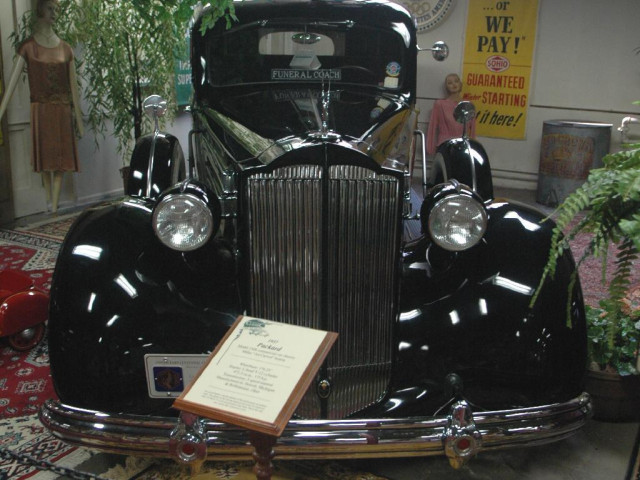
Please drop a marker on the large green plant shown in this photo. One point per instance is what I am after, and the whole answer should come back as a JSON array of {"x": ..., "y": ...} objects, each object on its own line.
[
  {"x": 127, "y": 50},
  {"x": 607, "y": 206},
  {"x": 621, "y": 356}
]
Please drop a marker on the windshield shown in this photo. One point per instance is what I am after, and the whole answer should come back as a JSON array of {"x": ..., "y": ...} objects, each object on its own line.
[{"x": 305, "y": 53}]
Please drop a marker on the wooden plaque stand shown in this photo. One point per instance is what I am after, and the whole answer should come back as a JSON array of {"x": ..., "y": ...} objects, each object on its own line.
[
  {"x": 255, "y": 378},
  {"x": 262, "y": 454}
]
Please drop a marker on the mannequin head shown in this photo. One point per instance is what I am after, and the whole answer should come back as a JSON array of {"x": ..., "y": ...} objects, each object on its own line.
[
  {"x": 47, "y": 10},
  {"x": 453, "y": 85}
]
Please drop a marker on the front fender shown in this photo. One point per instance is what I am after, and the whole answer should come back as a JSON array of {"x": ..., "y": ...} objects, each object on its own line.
[
  {"x": 117, "y": 294},
  {"x": 156, "y": 164},
  {"x": 466, "y": 161},
  {"x": 468, "y": 314}
]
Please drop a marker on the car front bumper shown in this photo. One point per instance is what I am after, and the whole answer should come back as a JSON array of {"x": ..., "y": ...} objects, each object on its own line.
[{"x": 460, "y": 434}]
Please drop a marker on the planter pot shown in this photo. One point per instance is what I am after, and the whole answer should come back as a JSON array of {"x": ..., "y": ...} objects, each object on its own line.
[{"x": 615, "y": 398}]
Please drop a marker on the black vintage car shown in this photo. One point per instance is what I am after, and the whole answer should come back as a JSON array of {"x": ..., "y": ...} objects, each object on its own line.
[{"x": 295, "y": 204}]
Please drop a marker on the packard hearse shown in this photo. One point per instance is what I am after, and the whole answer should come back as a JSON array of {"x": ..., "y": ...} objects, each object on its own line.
[{"x": 295, "y": 204}]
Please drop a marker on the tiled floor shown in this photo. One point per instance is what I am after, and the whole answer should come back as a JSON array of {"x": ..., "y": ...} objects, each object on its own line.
[{"x": 600, "y": 451}]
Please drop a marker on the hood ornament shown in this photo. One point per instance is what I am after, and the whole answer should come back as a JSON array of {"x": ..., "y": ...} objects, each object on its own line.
[{"x": 325, "y": 133}]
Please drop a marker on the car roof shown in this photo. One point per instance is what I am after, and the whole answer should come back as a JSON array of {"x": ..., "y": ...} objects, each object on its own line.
[{"x": 372, "y": 12}]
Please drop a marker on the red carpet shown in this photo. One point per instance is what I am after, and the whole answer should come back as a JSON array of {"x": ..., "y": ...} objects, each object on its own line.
[{"x": 24, "y": 376}]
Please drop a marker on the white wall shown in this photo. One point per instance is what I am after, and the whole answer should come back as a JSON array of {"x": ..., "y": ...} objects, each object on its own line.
[{"x": 585, "y": 69}]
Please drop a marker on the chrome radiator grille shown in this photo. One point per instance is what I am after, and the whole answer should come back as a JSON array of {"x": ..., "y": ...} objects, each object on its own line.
[{"x": 323, "y": 253}]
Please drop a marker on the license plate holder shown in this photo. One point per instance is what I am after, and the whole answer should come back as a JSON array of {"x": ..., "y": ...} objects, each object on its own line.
[{"x": 169, "y": 374}]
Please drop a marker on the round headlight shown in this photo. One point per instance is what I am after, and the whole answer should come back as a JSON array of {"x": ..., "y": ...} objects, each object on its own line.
[
  {"x": 457, "y": 222},
  {"x": 183, "y": 222}
]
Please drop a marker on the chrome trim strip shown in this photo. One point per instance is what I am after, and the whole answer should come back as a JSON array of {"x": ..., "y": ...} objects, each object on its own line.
[
  {"x": 308, "y": 439},
  {"x": 472, "y": 166},
  {"x": 152, "y": 152},
  {"x": 423, "y": 146}
]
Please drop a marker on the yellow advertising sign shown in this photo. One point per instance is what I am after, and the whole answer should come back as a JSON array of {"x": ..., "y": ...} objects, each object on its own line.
[{"x": 498, "y": 57}]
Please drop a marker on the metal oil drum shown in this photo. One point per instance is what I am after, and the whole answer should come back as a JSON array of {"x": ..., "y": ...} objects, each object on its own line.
[{"x": 569, "y": 150}]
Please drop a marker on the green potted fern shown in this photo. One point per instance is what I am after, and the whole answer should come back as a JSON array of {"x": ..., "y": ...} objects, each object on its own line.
[{"x": 607, "y": 207}]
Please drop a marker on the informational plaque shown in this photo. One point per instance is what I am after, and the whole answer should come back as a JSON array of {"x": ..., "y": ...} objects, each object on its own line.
[{"x": 257, "y": 375}]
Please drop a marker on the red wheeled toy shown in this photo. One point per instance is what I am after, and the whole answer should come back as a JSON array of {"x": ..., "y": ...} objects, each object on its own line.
[{"x": 23, "y": 310}]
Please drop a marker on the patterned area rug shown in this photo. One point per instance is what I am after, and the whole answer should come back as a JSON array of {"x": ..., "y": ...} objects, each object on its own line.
[
  {"x": 25, "y": 382},
  {"x": 24, "y": 376},
  {"x": 55, "y": 229},
  {"x": 32, "y": 254},
  {"x": 27, "y": 436}
]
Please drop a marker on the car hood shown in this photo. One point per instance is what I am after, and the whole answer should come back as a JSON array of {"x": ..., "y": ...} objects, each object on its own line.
[{"x": 259, "y": 123}]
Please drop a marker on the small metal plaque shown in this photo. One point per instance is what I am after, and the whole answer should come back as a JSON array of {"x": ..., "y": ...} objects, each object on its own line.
[
  {"x": 168, "y": 375},
  {"x": 309, "y": 74}
]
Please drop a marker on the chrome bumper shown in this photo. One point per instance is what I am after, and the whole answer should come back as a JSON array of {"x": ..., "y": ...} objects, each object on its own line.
[{"x": 459, "y": 435}]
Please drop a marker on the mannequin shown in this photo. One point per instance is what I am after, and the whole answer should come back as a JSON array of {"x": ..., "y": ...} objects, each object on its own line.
[
  {"x": 442, "y": 125},
  {"x": 54, "y": 100}
]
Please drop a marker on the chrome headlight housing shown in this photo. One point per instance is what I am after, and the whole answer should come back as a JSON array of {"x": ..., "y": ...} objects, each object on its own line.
[
  {"x": 455, "y": 219},
  {"x": 186, "y": 218}
]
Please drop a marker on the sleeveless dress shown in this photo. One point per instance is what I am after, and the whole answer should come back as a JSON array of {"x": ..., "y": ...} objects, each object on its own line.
[{"x": 53, "y": 137}]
